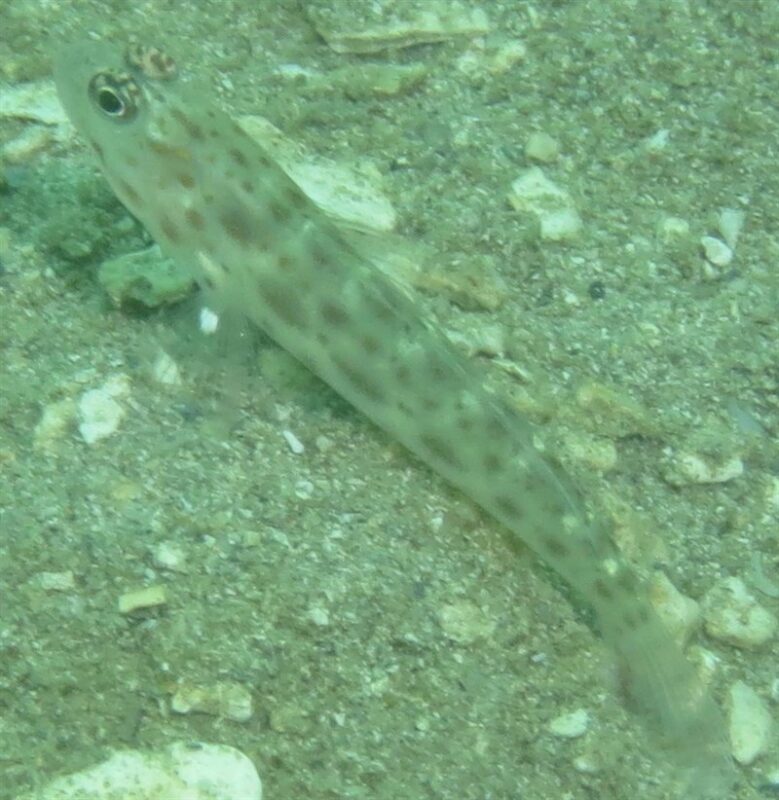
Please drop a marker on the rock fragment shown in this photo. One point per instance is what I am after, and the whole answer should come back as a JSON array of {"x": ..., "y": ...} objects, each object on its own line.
[
  {"x": 222, "y": 699},
  {"x": 750, "y": 724},
  {"x": 532, "y": 192},
  {"x": 732, "y": 614},
  {"x": 183, "y": 771}
]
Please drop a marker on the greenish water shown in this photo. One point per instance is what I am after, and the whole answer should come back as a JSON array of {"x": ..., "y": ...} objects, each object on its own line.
[{"x": 380, "y": 702}]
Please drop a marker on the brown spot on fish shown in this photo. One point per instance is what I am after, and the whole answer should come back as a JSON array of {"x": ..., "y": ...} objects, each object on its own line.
[
  {"x": 370, "y": 344},
  {"x": 333, "y": 314},
  {"x": 555, "y": 546},
  {"x": 237, "y": 224},
  {"x": 238, "y": 157},
  {"x": 195, "y": 219},
  {"x": 169, "y": 229},
  {"x": 440, "y": 450},
  {"x": 186, "y": 180},
  {"x": 492, "y": 463},
  {"x": 361, "y": 381},
  {"x": 191, "y": 127},
  {"x": 128, "y": 192},
  {"x": 602, "y": 590},
  {"x": 284, "y": 304},
  {"x": 508, "y": 506},
  {"x": 98, "y": 149}
]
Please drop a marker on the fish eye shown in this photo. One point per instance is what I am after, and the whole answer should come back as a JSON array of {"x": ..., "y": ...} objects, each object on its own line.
[
  {"x": 110, "y": 102},
  {"x": 114, "y": 96}
]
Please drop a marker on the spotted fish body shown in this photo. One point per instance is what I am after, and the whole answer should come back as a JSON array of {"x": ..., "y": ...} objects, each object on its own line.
[{"x": 215, "y": 200}]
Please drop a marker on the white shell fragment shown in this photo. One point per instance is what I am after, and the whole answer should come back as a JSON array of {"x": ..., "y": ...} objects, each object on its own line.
[
  {"x": 732, "y": 614},
  {"x": 223, "y": 699},
  {"x": 184, "y": 771},
  {"x": 532, "y": 192},
  {"x": 750, "y": 724}
]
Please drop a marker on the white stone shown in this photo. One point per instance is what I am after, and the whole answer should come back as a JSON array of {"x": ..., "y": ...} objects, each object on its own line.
[
  {"x": 170, "y": 556},
  {"x": 716, "y": 251},
  {"x": 571, "y": 725},
  {"x": 225, "y": 699},
  {"x": 319, "y": 616},
  {"x": 166, "y": 370},
  {"x": 732, "y": 615},
  {"x": 208, "y": 321},
  {"x": 99, "y": 410},
  {"x": 750, "y": 724},
  {"x": 183, "y": 771},
  {"x": 559, "y": 226},
  {"x": 54, "y": 423},
  {"x": 534, "y": 193}
]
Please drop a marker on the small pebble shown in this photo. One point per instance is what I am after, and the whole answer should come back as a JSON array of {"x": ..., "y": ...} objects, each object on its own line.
[
  {"x": 716, "y": 251},
  {"x": 54, "y": 424},
  {"x": 170, "y": 556},
  {"x": 542, "y": 147},
  {"x": 149, "y": 597},
  {"x": 673, "y": 229},
  {"x": 729, "y": 224},
  {"x": 56, "y": 581},
  {"x": 464, "y": 622},
  {"x": 294, "y": 444},
  {"x": 99, "y": 410},
  {"x": 166, "y": 370},
  {"x": 571, "y": 725},
  {"x": 304, "y": 490},
  {"x": 750, "y": 724},
  {"x": 532, "y": 192},
  {"x": 319, "y": 616}
]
